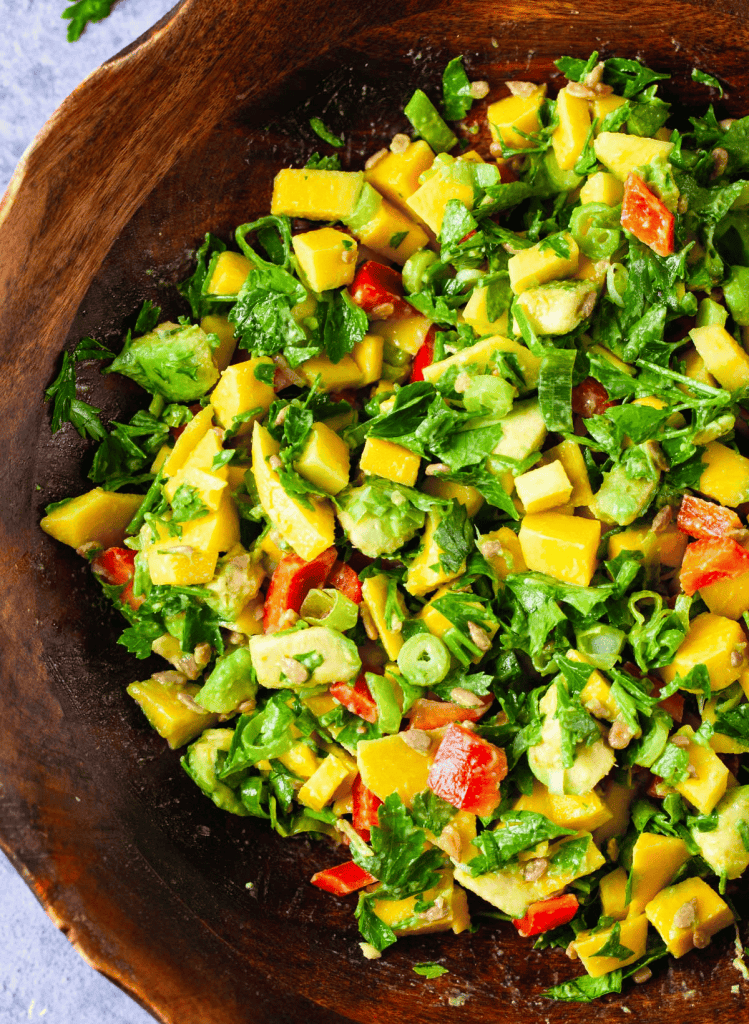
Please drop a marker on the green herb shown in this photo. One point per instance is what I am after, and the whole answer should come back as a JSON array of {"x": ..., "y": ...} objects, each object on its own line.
[
  {"x": 187, "y": 504},
  {"x": 613, "y": 947},
  {"x": 457, "y": 99},
  {"x": 85, "y": 11},
  {"x": 66, "y": 407},
  {"x": 318, "y": 127},
  {"x": 522, "y": 830},
  {"x": 705, "y": 79},
  {"x": 430, "y": 970}
]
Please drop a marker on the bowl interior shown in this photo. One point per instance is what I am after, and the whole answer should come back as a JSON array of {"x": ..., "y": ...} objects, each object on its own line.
[{"x": 202, "y": 916}]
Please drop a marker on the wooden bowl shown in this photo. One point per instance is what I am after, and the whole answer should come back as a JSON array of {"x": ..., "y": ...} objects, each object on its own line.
[{"x": 201, "y": 917}]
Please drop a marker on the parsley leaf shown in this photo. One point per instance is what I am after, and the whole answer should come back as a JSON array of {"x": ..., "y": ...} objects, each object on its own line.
[
  {"x": 430, "y": 970},
  {"x": 81, "y": 13},
  {"x": 187, "y": 504},
  {"x": 319, "y": 128},
  {"x": 522, "y": 829},
  {"x": 456, "y": 91}
]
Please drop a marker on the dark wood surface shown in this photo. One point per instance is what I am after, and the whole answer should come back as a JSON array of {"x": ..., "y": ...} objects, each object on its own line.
[{"x": 181, "y": 135}]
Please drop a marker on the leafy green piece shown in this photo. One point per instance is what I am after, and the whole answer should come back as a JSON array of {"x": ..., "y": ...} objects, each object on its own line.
[
  {"x": 66, "y": 407},
  {"x": 187, "y": 504},
  {"x": 671, "y": 766},
  {"x": 613, "y": 947},
  {"x": 522, "y": 829},
  {"x": 456, "y": 90},
  {"x": 709, "y": 80},
  {"x": 430, "y": 970},
  {"x": 373, "y": 930},
  {"x": 193, "y": 289},
  {"x": 84, "y": 11},
  {"x": 454, "y": 537},
  {"x": 431, "y": 812},
  {"x": 586, "y": 988},
  {"x": 555, "y": 388},
  {"x": 319, "y": 128}
]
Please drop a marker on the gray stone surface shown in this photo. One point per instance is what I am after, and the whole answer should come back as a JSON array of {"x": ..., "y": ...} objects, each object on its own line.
[{"x": 42, "y": 978}]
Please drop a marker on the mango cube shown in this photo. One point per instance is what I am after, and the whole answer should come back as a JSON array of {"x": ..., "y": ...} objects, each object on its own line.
[
  {"x": 602, "y": 187},
  {"x": 392, "y": 234},
  {"x": 655, "y": 861},
  {"x": 725, "y": 476},
  {"x": 514, "y": 114},
  {"x": 510, "y": 558},
  {"x": 483, "y": 354},
  {"x": 396, "y": 175},
  {"x": 207, "y": 486},
  {"x": 430, "y": 200},
  {"x": 99, "y": 517},
  {"x": 390, "y": 765},
  {"x": 543, "y": 488},
  {"x": 603, "y": 105},
  {"x": 558, "y": 306},
  {"x": 462, "y": 493},
  {"x": 316, "y": 194},
  {"x": 569, "y": 137},
  {"x": 367, "y": 354},
  {"x": 324, "y": 460},
  {"x": 621, "y": 154},
  {"x": 633, "y": 935},
  {"x": 709, "y": 915},
  {"x": 668, "y": 546},
  {"x": 695, "y": 369},
  {"x": 194, "y": 432},
  {"x": 223, "y": 328},
  {"x": 176, "y": 564},
  {"x": 613, "y": 892},
  {"x": 710, "y": 641},
  {"x": 172, "y": 719},
  {"x": 722, "y": 355},
  {"x": 425, "y": 573},
  {"x": 408, "y": 333},
  {"x": 229, "y": 273},
  {"x": 570, "y": 455},
  {"x": 389, "y": 460},
  {"x": 333, "y": 376},
  {"x": 327, "y": 257},
  {"x": 475, "y": 313},
  {"x": 374, "y": 596},
  {"x": 541, "y": 263},
  {"x": 585, "y": 811},
  {"x": 708, "y": 785},
  {"x": 561, "y": 546},
  {"x": 239, "y": 390},
  {"x": 320, "y": 787},
  {"x": 404, "y": 919}
]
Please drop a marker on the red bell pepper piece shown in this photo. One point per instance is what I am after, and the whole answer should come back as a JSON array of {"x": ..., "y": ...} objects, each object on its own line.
[
  {"x": 647, "y": 217},
  {"x": 116, "y": 566},
  {"x": 700, "y": 518},
  {"x": 379, "y": 291},
  {"x": 290, "y": 583},
  {"x": 590, "y": 398},
  {"x": 711, "y": 559},
  {"x": 343, "y": 879},
  {"x": 424, "y": 357},
  {"x": 433, "y": 714},
  {"x": 342, "y": 577},
  {"x": 364, "y": 816},
  {"x": 467, "y": 771},
  {"x": 356, "y": 698},
  {"x": 544, "y": 915}
]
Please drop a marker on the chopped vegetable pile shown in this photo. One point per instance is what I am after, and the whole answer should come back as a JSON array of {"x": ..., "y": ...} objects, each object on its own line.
[{"x": 437, "y": 515}]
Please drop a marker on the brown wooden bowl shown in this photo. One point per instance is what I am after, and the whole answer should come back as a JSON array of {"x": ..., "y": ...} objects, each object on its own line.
[{"x": 181, "y": 134}]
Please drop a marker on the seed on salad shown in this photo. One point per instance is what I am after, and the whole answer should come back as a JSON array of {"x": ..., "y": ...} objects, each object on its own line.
[
  {"x": 279, "y": 420},
  {"x": 640, "y": 977},
  {"x": 436, "y": 468},
  {"x": 571, "y": 951},
  {"x": 726, "y": 123},
  {"x": 202, "y": 654},
  {"x": 595, "y": 77},
  {"x": 620, "y": 735},
  {"x": 275, "y": 462},
  {"x": 495, "y": 149},
  {"x": 580, "y": 90},
  {"x": 491, "y": 548},
  {"x": 523, "y": 89},
  {"x": 369, "y": 627},
  {"x": 691, "y": 771},
  {"x": 680, "y": 741},
  {"x": 246, "y": 707},
  {"x": 720, "y": 161},
  {"x": 479, "y": 89},
  {"x": 294, "y": 671},
  {"x": 479, "y": 636},
  {"x": 686, "y": 915},
  {"x": 535, "y": 869},
  {"x": 437, "y": 911},
  {"x": 375, "y": 159},
  {"x": 700, "y": 939},
  {"x": 348, "y": 256},
  {"x": 173, "y": 678},
  {"x": 451, "y": 842},
  {"x": 417, "y": 739},
  {"x": 193, "y": 705},
  {"x": 462, "y": 383},
  {"x": 464, "y": 698},
  {"x": 662, "y": 519},
  {"x": 737, "y": 658},
  {"x": 399, "y": 143},
  {"x": 383, "y": 311}
]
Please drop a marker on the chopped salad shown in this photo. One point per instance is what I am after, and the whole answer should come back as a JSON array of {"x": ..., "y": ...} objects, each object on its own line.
[{"x": 437, "y": 518}]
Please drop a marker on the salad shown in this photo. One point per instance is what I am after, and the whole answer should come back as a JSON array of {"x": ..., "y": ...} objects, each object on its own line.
[{"x": 436, "y": 517}]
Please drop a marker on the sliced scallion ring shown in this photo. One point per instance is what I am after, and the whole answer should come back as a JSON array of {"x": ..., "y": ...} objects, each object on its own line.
[{"x": 424, "y": 660}]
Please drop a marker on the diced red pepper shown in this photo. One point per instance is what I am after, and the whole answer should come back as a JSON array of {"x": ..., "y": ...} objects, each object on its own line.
[
  {"x": 376, "y": 288},
  {"x": 467, "y": 771},
  {"x": 424, "y": 357},
  {"x": 342, "y": 577},
  {"x": 290, "y": 583},
  {"x": 700, "y": 518},
  {"x": 343, "y": 879},
  {"x": 116, "y": 566},
  {"x": 433, "y": 714},
  {"x": 711, "y": 559},
  {"x": 647, "y": 217},
  {"x": 544, "y": 915},
  {"x": 364, "y": 816},
  {"x": 356, "y": 698},
  {"x": 590, "y": 398}
]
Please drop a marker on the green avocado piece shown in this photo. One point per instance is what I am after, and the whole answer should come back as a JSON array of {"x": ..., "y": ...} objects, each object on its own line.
[
  {"x": 374, "y": 522},
  {"x": 202, "y": 762},
  {"x": 724, "y": 848},
  {"x": 621, "y": 500},
  {"x": 235, "y": 582},
  {"x": 231, "y": 683},
  {"x": 646, "y": 751},
  {"x": 325, "y": 654},
  {"x": 523, "y": 432},
  {"x": 559, "y": 180},
  {"x": 559, "y": 306},
  {"x": 173, "y": 361},
  {"x": 736, "y": 292}
]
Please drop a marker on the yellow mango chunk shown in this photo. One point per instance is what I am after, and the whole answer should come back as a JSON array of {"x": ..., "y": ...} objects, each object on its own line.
[
  {"x": 333, "y": 376},
  {"x": 510, "y": 558},
  {"x": 209, "y": 487},
  {"x": 218, "y": 531},
  {"x": 655, "y": 861},
  {"x": 402, "y": 917},
  {"x": 391, "y": 461},
  {"x": 223, "y": 328},
  {"x": 430, "y": 200},
  {"x": 320, "y": 787},
  {"x": 708, "y": 785},
  {"x": 561, "y": 546},
  {"x": 327, "y": 257},
  {"x": 667, "y": 547},
  {"x": 367, "y": 354},
  {"x": 173, "y": 720},
  {"x": 183, "y": 567},
  {"x": 462, "y": 493},
  {"x": 540, "y": 263},
  {"x": 396, "y": 175},
  {"x": 392, "y": 234},
  {"x": 725, "y": 477},
  {"x": 202, "y": 456},
  {"x": 728, "y": 597},
  {"x": 475, "y": 314},
  {"x": 602, "y": 187},
  {"x": 719, "y": 742},
  {"x": 308, "y": 531},
  {"x": 481, "y": 356},
  {"x": 595, "y": 696},
  {"x": 229, "y": 273},
  {"x": 695, "y": 369},
  {"x": 389, "y": 765},
  {"x": 316, "y": 194},
  {"x": 585, "y": 811},
  {"x": 438, "y": 624},
  {"x": 97, "y": 517},
  {"x": 617, "y": 797},
  {"x": 570, "y": 455},
  {"x": 374, "y": 596},
  {"x": 161, "y": 456},
  {"x": 722, "y": 355},
  {"x": 621, "y": 154},
  {"x": 633, "y": 935},
  {"x": 710, "y": 641},
  {"x": 408, "y": 333},
  {"x": 250, "y": 619},
  {"x": 194, "y": 432},
  {"x": 325, "y": 459},
  {"x": 422, "y": 577},
  {"x": 613, "y": 892},
  {"x": 569, "y": 137},
  {"x": 514, "y": 114},
  {"x": 603, "y": 105},
  {"x": 687, "y": 915},
  {"x": 543, "y": 488}
]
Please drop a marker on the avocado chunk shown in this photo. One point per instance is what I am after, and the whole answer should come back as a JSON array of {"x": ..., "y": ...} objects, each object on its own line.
[
  {"x": 591, "y": 762},
  {"x": 231, "y": 683},
  {"x": 325, "y": 655},
  {"x": 173, "y": 361},
  {"x": 376, "y": 520},
  {"x": 622, "y": 499},
  {"x": 558, "y": 306},
  {"x": 237, "y": 580},
  {"x": 724, "y": 849},
  {"x": 202, "y": 763},
  {"x": 523, "y": 431},
  {"x": 736, "y": 292}
]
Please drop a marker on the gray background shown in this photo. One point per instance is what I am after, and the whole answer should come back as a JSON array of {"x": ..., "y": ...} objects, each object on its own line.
[{"x": 42, "y": 978}]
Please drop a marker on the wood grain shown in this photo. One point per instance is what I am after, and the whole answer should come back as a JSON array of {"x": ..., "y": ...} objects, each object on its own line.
[{"x": 183, "y": 134}]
